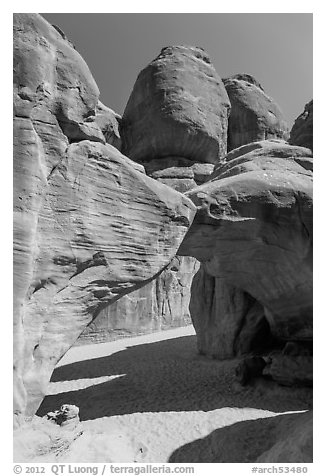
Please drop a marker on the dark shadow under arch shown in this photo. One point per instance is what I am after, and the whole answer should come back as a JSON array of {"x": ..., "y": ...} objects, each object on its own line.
[{"x": 166, "y": 376}]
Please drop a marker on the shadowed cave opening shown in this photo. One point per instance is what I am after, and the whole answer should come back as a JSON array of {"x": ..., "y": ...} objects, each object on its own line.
[{"x": 259, "y": 334}]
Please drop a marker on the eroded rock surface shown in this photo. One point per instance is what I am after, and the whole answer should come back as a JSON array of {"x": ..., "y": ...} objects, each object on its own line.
[
  {"x": 253, "y": 235},
  {"x": 89, "y": 226},
  {"x": 254, "y": 115},
  {"x": 178, "y": 172},
  {"x": 228, "y": 321},
  {"x": 178, "y": 107},
  {"x": 164, "y": 302},
  {"x": 108, "y": 121},
  {"x": 175, "y": 126},
  {"x": 302, "y": 130},
  {"x": 161, "y": 304}
]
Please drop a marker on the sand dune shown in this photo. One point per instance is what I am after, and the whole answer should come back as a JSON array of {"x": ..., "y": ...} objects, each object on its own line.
[{"x": 148, "y": 398}]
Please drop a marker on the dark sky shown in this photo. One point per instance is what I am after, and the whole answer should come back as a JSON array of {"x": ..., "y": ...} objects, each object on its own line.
[{"x": 276, "y": 48}]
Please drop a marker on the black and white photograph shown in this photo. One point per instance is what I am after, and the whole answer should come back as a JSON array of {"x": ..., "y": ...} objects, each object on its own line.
[{"x": 162, "y": 241}]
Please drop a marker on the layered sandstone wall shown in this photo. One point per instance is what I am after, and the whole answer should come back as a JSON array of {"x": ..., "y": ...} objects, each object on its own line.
[{"x": 89, "y": 225}]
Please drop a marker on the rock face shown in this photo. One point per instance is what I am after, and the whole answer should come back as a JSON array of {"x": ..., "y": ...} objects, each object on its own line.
[
  {"x": 253, "y": 235},
  {"x": 108, "y": 121},
  {"x": 302, "y": 130},
  {"x": 161, "y": 304},
  {"x": 254, "y": 115},
  {"x": 178, "y": 107},
  {"x": 228, "y": 321},
  {"x": 164, "y": 302},
  {"x": 178, "y": 172},
  {"x": 89, "y": 225}
]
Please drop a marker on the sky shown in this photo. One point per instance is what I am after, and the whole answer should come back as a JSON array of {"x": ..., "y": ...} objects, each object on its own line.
[{"x": 275, "y": 48}]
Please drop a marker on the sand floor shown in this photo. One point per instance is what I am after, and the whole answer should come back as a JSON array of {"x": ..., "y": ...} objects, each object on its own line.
[{"x": 152, "y": 398}]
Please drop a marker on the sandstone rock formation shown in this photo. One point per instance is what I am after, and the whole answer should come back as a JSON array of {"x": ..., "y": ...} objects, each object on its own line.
[
  {"x": 67, "y": 417},
  {"x": 164, "y": 302},
  {"x": 302, "y": 130},
  {"x": 272, "y": 147},
  {"x": 178, "y": 172},
  {"x": 50, "y": 437},
  {"x": 254, "y": 115},
  {"x": 253, "y": 235},
  {"x": 89, "y": 225},
  {"x": 290, "y": 370},
  {"x": 161, "y": 304},
  {"x": 178, "y": 107},
  {"x": 108, "y": 121},
  {"x": 293, "y": 366},
  {"x": 163, "y": 118}
]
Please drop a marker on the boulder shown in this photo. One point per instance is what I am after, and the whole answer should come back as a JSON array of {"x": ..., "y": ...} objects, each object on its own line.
[
  {"x": 290, "y": 370},
  {"x": 302, "y": 130},
  {"x": 89, "y": 225},
  {"x": 178, "y": 107},
  {"x": 67, "y": 417},
  {"x": 42, "y": 440},
  {"x": 253, "y": 235},
  {"x": 254, "y": 115}
]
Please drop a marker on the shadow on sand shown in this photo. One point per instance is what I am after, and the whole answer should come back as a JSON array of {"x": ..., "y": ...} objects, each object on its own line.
[
  {"x": 245, "y": 441},
  {"x": 164, "y": 376}
]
